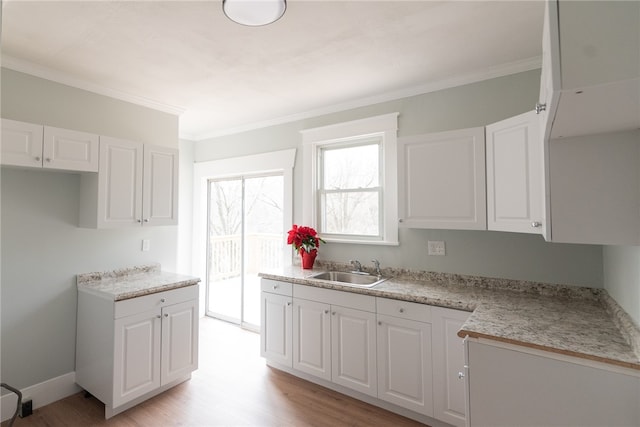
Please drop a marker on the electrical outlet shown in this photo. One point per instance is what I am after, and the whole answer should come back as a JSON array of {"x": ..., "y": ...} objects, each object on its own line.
[
  {"x": 26, "y": 408},
  {"x": 436, "y": 247},
  {"x": 146, "y": 244}
]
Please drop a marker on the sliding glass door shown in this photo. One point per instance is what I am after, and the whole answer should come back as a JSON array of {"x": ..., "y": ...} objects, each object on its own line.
[{"x": 245, "y": 236}]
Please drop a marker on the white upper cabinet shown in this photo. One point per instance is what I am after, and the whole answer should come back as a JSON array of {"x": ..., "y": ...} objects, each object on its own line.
[
  {"x": 21, "y": 143},
  {"x": 442, "y": 180},
  {"x": 137, "y": 185},
  {"x": 31, "y": 145},
  {"x": 515, "y": 176},
  {"x": 597, "y": 68}
]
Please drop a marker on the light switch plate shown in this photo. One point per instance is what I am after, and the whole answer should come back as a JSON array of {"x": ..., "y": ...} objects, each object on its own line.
[
  {"x": 436, "y": 247},
  {"x": 146, "y": 244}
]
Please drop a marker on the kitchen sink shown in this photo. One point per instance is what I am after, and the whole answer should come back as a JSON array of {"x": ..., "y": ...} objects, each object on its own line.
[{"x": 352, "y": 279}]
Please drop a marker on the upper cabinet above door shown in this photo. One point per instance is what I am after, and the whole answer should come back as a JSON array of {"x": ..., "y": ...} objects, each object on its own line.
[{"x": 442, "y": 180}]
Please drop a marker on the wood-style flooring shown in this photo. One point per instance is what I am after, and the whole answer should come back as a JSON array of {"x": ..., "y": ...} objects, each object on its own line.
[{"x": 232, "y": 387}]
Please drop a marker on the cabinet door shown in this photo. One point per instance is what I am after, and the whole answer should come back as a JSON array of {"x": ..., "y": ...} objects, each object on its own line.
[
  {"x": 136, "y": 356},
  {"x": 353, "y": 349},
  {"x": 509, "y": 387},
  {"x": 312, "y": 338},
  {"x": 120, "y": 183},
  {"x": 179, "y": 340},
  {"x": 275, "y": 328},
  {"x": 160, "y": 191},
  {"x": 448, "y": 364},
  {"x": 404, "y": 363},
  {"x": 515, "y": 176},
  {"x": 21, "y": 144},
  {"x": 70, "y": 150},
  {"x": 442, "y": 180}
]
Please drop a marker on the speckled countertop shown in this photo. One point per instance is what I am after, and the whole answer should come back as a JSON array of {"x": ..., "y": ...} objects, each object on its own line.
[
  {"x": 576, "y": 321},
  {"x": 132, "y": 282}
]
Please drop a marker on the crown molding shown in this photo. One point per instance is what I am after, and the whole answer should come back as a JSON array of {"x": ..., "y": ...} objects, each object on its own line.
[
  {"x": 47, "y": 73},
  {"x": 460, "y": 80}
]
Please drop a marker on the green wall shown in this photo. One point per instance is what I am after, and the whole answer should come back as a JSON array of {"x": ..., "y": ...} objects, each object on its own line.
[
  {"x": 42, "y": 247},
  {"x": 485, "y": 253}
]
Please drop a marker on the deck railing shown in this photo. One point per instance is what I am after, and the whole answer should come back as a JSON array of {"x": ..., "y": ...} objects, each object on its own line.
[{"x": 263, "y": 252}]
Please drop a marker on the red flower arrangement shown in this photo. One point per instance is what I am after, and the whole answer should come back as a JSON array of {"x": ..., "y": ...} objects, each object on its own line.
[{"x": 304, "y": 239}]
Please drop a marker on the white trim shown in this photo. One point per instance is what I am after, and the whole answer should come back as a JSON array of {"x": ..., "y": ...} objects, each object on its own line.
[
  {"x": 275, "y": 161},
  {"x": 385, "y": 125},
  {"x": 41, "y": 394},
  {"x": 502, "y": 70},
  {"x": 61, "y": 77}
]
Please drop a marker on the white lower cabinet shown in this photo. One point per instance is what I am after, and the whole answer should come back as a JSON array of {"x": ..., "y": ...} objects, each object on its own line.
[
  {"x": 335, "y": 342},
  {"x": 130, "y": 350},
  {"x": 404, "y": 355},
  {"x": 449, "y": 393},
  {"x": 275, "y": 325},
  {"x": 512, "y": 385}
]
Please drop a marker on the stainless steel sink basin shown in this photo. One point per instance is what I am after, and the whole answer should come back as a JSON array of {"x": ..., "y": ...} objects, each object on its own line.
[{"x": 351, "y": 279}]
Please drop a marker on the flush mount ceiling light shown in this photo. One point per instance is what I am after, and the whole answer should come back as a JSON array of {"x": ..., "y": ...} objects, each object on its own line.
[{"x": 254, "y": 13}]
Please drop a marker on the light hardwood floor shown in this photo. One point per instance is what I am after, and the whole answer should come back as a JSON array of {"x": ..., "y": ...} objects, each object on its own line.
[{"x": 232, "y": 387}]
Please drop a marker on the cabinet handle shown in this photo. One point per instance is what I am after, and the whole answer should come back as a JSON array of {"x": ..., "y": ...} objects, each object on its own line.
[
  {"x": 536, "y": 224},
  {"x": 37, "y": 159},
  {"x": 401, "y": 310},
  {"x": 401, "y": 220},
  {"x": 146, "y": 220},
  {"x": 163, "y": 300},
  {"x": 333, "y": 313},
  {"x": 158, "y": 316},
  {"x": 461, "y": 375},
  {"x": 166, "y": 315},
  {"x": 379, "y": 323},
  {"x": 326, "y": 312},
  {"x": 289, "y": 303},
  {"x": 48, "y": 159},
  {"x": 275, "y": 287},
  {"x": 540, "y": 108},
  {"x": 139, "y": 220}
]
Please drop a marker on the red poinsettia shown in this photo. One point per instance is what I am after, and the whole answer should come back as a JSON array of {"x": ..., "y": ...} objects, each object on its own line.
[{"x": 304, "y": 238}]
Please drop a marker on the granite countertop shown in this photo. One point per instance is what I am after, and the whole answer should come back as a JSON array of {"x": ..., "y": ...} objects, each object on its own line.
[
  {"x": 576, "y": 321},
  {"x": 132, "y": 282}
]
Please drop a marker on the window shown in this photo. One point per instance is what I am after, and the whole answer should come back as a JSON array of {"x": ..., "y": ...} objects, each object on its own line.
[{"x": 351, "y": 173}]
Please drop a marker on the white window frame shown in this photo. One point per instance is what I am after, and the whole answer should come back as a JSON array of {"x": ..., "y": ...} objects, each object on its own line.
[{"x": 385, "y": 127}]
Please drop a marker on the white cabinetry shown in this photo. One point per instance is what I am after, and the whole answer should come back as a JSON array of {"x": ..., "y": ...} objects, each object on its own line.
[
  {"x": 130, "y": 350},
  {"x": 442, "y": 180},
  {"x": 32, "y": 145},
  {"x": 334, "y": 337},
  {"x": 515, "y": 176},
  {"x": 449, "y": 394},
  {"x": 404, "y": 355},
  {"x": 275, "y": 325},
  {"x": 511, "y": 386},
  {"x": 137, "y": 185}
]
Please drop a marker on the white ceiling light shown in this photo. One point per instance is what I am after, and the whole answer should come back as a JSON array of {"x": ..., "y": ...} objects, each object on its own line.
[{"x": 254, "y": 13}]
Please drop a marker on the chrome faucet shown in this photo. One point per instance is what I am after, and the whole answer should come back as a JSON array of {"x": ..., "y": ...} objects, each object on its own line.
[
  {"x": 356, "y": 264},
  {"x": 376, "y": 263}
]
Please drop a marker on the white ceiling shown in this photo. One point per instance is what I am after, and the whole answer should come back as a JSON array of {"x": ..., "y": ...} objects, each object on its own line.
[{"x": 186, "y": 56}]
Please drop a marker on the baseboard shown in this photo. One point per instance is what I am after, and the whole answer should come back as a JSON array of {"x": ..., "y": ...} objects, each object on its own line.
[{"x": 41, "y": 394}]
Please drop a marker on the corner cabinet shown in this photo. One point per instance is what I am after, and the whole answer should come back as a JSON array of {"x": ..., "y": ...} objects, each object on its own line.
[
  {"x": 128, "y": 351},
  {"x": 137, "y": 185},
  {"x": 442, "y": 180},
  {"x": 515, "y": 176},
  {"x": 449, "y": 391},
  {"x": 36, "y": 146}
]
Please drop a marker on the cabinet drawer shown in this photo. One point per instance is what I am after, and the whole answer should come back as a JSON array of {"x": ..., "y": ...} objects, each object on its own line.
[
  {"x": 404, "y": 309},
  {"x": 330, "y": 296},
  {"x": 152, "y": 301},
  {"x": 276, "y": 287}
]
